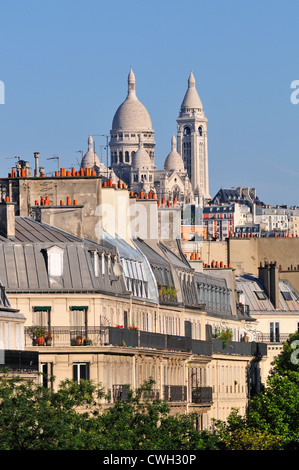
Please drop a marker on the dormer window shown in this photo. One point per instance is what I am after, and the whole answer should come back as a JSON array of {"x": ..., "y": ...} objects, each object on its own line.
[{"x": 55, "y": 261}]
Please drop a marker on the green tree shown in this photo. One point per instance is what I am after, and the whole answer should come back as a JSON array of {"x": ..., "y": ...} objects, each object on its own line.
[
  {"x": 36, "y": 418},
  {"x": 139, "y": 423},
  {"x": 33, "y": 417},
  {"x": 276, "y": 410},
  {"x": 272, "y": 417},
  {"x": 288, "y": 360}
]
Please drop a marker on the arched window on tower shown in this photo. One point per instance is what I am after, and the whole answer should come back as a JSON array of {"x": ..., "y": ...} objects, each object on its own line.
[
  {"x": 200, "y": 131},
  {"x": 127, "y": 157},
  {"x": 120, "y": 155},
  {"x": 187, "y": 130}
]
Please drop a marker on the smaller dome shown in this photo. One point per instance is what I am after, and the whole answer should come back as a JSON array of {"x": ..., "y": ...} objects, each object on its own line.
[
  {"x": 90, "y": 159},
  {"x": 174, "y": 160},
  {"x": 141, "y": 158}
]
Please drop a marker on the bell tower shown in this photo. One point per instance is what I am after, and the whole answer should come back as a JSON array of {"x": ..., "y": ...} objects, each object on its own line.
[{"x": 192, "y": 141}]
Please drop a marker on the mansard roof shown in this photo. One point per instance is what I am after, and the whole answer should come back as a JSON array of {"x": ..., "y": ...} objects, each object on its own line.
[{"x": 243, "y": 195}]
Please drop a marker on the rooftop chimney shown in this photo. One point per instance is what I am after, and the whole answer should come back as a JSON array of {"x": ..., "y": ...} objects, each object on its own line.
[
  {"x": 268, "y": 274},
  {"x": 36, "y": 156},
  {"x": 7, "y": 218}
]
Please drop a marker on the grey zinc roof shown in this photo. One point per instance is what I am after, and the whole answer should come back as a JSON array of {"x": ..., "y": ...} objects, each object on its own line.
[
  {"x": 150, "y": 252},
  {"x": 30, "y": 230},
  {"x": 176, "y": 261},
  {"x": 134, "y": 253},
  {"x": 23, "y": 261},
  {"x": 225, "y": 195},
  {"x": 249, "y": 284}
]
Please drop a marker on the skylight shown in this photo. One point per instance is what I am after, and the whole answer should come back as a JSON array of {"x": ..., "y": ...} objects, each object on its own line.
[{"x": 260, "y": 295}]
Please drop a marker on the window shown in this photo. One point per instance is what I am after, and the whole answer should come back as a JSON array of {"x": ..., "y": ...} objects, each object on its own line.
[
  {"x": 287, "y": 296},
  {"x": 187, "y": 131},
  {"x": 274, "y": 332},
  {"x": 46, "y": 370},
  {"x": 55, "y": 261},
  {"x": 41, "y": 316},
  {"x": 78, "y": 322},
  {"x": 260, "y": 295},
  {"x": 200, "y": 131},
  {"x": 80, "y": 371}
]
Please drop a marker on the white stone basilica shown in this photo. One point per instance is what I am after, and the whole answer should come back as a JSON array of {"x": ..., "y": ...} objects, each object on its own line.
[{"x": 132, "y": 149}]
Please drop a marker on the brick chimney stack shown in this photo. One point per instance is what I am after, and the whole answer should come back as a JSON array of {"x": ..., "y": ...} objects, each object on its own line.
[
  {"x": 268, "y": 274},
  {"x": 7, "y": 218}
]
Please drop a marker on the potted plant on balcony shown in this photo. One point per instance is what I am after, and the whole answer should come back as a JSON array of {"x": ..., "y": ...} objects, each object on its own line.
[
  {"x": 37, "y": 333},
  {"x": 87, "y": 342},
  {"x": 48, "y": 338},
  {"x": 78, "y": 340}
]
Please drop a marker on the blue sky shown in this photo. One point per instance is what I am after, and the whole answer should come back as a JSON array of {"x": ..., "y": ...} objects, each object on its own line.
[{"x": 65, "y": 64}]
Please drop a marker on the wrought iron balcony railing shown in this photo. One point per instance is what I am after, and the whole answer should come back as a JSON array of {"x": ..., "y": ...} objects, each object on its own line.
[
  {"x": 277, "y": 338},
  {"x": 175, "y": 393},
  {"x": 101, "y": 336},
  {"x": 202, "y": 395}
]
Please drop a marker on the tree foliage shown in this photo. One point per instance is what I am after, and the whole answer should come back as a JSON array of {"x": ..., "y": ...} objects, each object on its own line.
[
  {"x": 271, "y": 422},
  {"x": 36, "y": 418},
  {"x": 33, "y": 417}
]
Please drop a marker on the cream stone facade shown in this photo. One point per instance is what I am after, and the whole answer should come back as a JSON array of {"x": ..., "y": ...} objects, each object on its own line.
[
  {"x": 98, "y": 280},
  {"x": 12, "y": 322}
]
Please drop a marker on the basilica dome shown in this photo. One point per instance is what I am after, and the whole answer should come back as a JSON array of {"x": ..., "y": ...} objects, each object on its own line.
[
  {"x": 132, "y": 114},
  {"x": 174, "y": 160}
]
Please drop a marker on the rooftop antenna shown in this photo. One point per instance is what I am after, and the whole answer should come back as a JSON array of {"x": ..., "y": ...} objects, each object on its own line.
[
  {"x": 56, "y": 157},
  {"x": 79, "y": 163}
]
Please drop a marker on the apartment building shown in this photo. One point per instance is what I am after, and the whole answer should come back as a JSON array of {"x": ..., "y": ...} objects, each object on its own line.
[{"x": 117, "y": 308}]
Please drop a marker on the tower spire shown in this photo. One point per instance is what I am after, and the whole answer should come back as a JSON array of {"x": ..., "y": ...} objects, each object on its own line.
[
  {"x": 192, "y": 140},
  {"x": 131, "y": 82},
  {"x": 191, "y": 99}
]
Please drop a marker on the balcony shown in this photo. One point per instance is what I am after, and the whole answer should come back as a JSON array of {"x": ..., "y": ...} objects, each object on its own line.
[
  {"x": 125, "y": 337},
  {"x": 171, "y": 394},
  {"x": 221, "y": 346},
  {"x": 103, "y": 336},
  {"x": 202, "y": 395},
  {"x": 175, "y": 393},
  {"x": 121, "y": 393},
  {"x": 19, "y": 361},
  {"x": 273, "y": 338}
]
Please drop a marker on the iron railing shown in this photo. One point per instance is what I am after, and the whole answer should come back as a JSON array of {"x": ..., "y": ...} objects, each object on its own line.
[
  {"x": 107, "y": 335},
  {"x": 18, "y": 360},
  {"x": 202, "y": 395},
  {"x": 277, "y": 338},
  {"x": 121, "y": 393},
  {"x": 175, "y": 392},
  {"x": 221, "y": 346}
]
